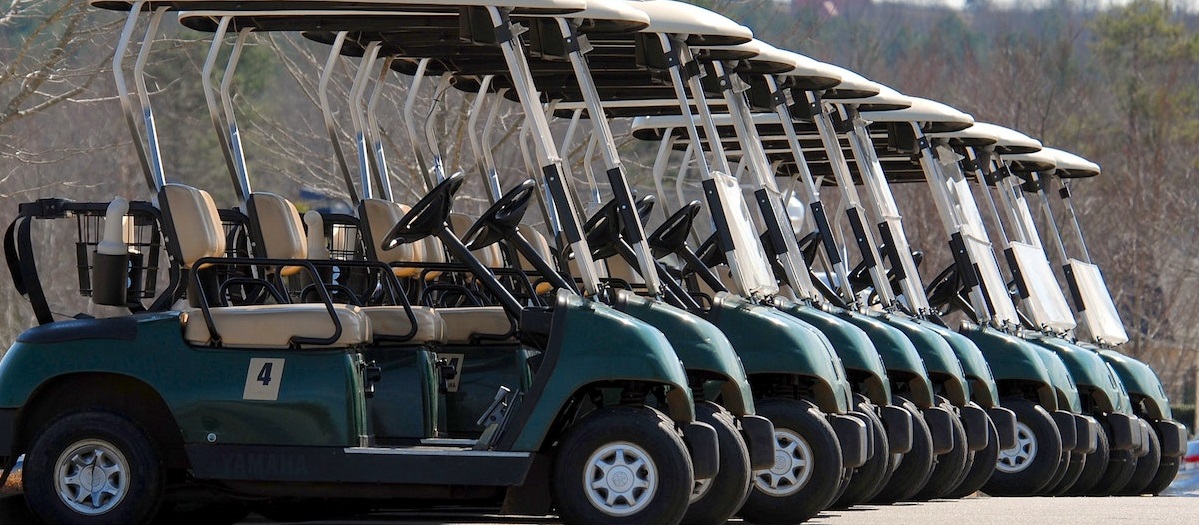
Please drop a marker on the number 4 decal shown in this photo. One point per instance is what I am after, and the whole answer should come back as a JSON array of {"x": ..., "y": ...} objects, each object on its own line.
[{"x": 263, "y": 379}]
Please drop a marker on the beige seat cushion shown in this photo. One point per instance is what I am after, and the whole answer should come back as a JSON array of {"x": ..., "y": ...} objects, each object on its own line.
[
  {"x": 393, "y": 321},
  {"x": 197, "y": 224},
  {"x": 491, "y": 256},
  {"x": 379, "y": 217},
  {"x": 273, "y": 325},
  {"x": 539, "y": 243},
  {"x": 462, "y": 323},
  {"x": 618, "y": 268}
]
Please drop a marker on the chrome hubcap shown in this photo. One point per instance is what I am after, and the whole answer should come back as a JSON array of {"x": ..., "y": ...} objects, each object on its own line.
[
  {"x": 1018, "y": 458},
  {"x": 792, "y": 465},
  {"x": 92, "y": 477},
  {"x": 620, "y": 479}
]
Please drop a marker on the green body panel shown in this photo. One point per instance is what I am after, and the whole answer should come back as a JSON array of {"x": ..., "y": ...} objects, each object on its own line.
[
  {"x": 1014, "y": 360},
  {"x": 982, "y": 384},
  {"x": 593, "y": 343},
  {"x": 1063, "y": 382},
  {"x": 1141, "y": 383},
  {"x": 320, "y": 397},
  {"x": 852, "y": 345},
  {"x": 403, "y": 405},
  {"x": 700, "y": 345},
  {"x": 939, "y": 359},
  {"x": 899, "y": 356},
  {"x": 772, "y": 342},
  {"x": 481, "y": 373},
  {"x": 1091, "y": 374}
]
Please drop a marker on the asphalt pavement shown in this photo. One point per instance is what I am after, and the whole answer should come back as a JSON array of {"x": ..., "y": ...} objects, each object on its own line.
[{"x": 973, "y": 510}]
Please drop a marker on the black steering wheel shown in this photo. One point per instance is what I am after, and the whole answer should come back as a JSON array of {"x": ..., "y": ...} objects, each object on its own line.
[
  {"x": 808, "y": 245},
  {"x": 672, "y": 234},
  {"x": 944, "y": 287},
  {"x": 500, "y": 221},
  {"x": 427, "y": 216},
  {"x": 645, "y": 206},
  {"x": 603, "y": 231}
]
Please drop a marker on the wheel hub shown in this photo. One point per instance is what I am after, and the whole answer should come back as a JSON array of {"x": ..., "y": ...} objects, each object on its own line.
[
  {"x": 92, "y": 477},
  {"x": 792, "y": 467},
  {"x": 620, "y": 479},
  {"x": 1018, "y": 458}
]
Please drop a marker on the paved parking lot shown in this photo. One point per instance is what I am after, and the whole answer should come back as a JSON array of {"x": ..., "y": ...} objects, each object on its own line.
[{"x": 975, "y": 510}]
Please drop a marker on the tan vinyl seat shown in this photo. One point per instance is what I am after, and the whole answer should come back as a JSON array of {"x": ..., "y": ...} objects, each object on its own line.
[
  {"x": 380, "y": 216},
  {"x": 618, "y": 268},
  {"x": 486, "y": 322},
  {"x": 278, "y": 222},
  {"x": 392, "y": 321},
  {"x": 198, "y": 232},
  {"x": 491, "y": 256},
  {"x": 539, "y": 243}
]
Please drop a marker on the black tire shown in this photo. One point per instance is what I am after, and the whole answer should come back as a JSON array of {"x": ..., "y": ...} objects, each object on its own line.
[
  {"x": 869, "y": 478},
  {"x": 618, "y": 433},
  {"x": 1092, "y": 469},
  {"x": 1147, "y": 468},
  {"x": 915, "y": 467},
  {"x": 1164, "y": 477},
  {"x": 948, "y": 467},
  {"x": 1121, "y": 464},
  {"x": 780, "y": 495},
  {"x": 980, "y": 466},
  {"x": 1078, "y": 461},
  {"x": 1031, "y": 464},
  {"x": 120, "y": 448},
  {"x": 205, "y": 513},
  {"x": 723, "y": 495},
  {"x": 1063, "y": 466}
]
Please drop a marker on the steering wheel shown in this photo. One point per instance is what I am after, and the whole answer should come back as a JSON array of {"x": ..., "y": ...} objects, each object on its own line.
[
  {"x": 808, "y": 245},
  {"x": 500, "y": 221},
  {"x": 603, "y": 231},
  {"x": 672, "y": 234},
  {"x": 645, "y": 206},
  {"x": 427, "y": 216},
  {"x": 944, "y": 287},
  {"x": 709, "y": 253}
]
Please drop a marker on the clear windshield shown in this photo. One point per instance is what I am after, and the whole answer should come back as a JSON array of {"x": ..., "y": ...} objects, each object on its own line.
[
  {"x": 1002, "y": 309},
  {"x": 1098, "y": 310},
  {"x": 747, "y": 260},
  {"x": 1045, "y": 303}
]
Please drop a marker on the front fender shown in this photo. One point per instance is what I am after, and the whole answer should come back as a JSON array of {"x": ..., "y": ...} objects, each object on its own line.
[
  {"x": 700, "y": 345},
  {"x": 1141, "y": 383},
  {"x": 593, "y": 343},
  {"x": 771, "y": 342},
  {"x": 852, "y": 345},
  {"x": 899, "y": 356},
  {"x": 1091, "y": 374},
  {"x": 982, "y": 383},
  {"x": 1013, "y": 360},
  {"x": 939, "y": 358},
  {"x": 1063, "y": 382}
]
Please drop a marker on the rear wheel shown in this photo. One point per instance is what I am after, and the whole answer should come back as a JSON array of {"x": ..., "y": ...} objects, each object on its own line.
[
  {"x": 981, "y": 466},
  {"x": 869, "y": 478},
  {"x": 807, "y": 468},
  {"x": 1030, "y": 465},
  {"x": 910, "y": 471},
  {"x": 622, "y": 465},
  {"x": 93, "y": 468},
  {"x": 1165, "y": 475},
  {"x": 1146, "y": 470},
  {"x": 947, "y": 471},
  {"x": 1092, "y": 469},
  {"x": 715, "y": 500}
]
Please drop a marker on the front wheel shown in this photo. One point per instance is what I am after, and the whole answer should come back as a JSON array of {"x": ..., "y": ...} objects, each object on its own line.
[
  {"x": 868, "y": 479},
  {"x": 807, "y": 468},
  {"x": 980, "y": 467},
  {"x": 1147, "y": 468},
  {"x": 622, "y": 466},
  {"x": 715, "y": 500},
  {"x": 93, "y": 468},
  {"x": 1031, "y": 464},
  {"x": 910, "y": 471},
  {"x": 948, "y": 467}
]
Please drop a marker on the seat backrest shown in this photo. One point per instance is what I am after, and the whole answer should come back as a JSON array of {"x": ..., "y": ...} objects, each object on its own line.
[
  {"x": 279, "y": 227},
  {"x": 196, "y": 223},
  {"x": 539, "y": 243},
  {"x": 618, "y": 268},
  {"x": 491, "y": 256},
  {"x": 379, "y": 216}
]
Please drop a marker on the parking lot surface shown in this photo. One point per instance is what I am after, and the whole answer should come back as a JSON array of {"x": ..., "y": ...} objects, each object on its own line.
[{"x": 974, "y": 510}]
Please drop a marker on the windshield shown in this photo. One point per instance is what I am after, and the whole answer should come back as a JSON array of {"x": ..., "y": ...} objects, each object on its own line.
[
  {"x": 747, "y": 260},
  {"x": 1045, "y": 303},
  {"x": 1097, "y": 309}
]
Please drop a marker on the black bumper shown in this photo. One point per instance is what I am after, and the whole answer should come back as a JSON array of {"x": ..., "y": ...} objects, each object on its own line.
[
  {"x": 759, "y": 437},
  {"x": 8, "y": 434}
]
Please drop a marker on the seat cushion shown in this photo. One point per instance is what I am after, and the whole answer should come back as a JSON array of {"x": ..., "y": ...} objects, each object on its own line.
[
  {"x": 462, "y": 323},
  {"x": 273, "y": 325},
  {"x": 392, "y": 321}
]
